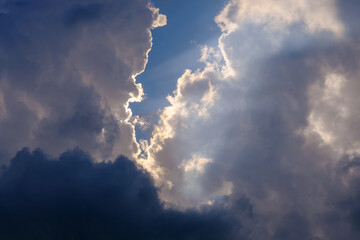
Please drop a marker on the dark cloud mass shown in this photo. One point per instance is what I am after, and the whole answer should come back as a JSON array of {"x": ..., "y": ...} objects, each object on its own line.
[{"x": 73, "y": 198}]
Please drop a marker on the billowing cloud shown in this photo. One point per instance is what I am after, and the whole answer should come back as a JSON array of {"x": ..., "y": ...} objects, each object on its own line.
[
  {"x": 273, "y": 120},
  {"x": 67, "y": 74},
  {"x": 71, "y": 197},
  {"x": 262, "y": 143}
]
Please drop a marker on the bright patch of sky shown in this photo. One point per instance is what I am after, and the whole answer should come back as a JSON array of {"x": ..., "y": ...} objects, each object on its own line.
[{"x": 176, "y": 47}]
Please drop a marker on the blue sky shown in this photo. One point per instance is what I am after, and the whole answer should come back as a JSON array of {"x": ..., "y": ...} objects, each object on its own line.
[{"x": 176, "y": 47}]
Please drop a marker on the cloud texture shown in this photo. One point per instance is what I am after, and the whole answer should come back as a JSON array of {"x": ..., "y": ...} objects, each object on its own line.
[
  {"x": 71, "y": 197},
  {"x": 262, "y": 143},
  {"x": 67, "y": 73},
  {"x": 273, "y": 117}
]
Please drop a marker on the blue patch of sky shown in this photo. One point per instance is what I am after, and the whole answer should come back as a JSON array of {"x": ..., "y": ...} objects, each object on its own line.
[{"x": 176, "y": 47}]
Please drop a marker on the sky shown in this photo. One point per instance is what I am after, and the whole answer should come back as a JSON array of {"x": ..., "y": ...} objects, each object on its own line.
[
  {"x": 132, "y": 119},
  {"x": 179, "y": 48}
]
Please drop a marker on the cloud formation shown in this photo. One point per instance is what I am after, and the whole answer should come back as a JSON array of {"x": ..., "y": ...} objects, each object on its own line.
[
  {"x": 67, "y": 74},
  {"x": 71, "y": 197},
  {"x": 275, "y": 117},
  {"x": 262, "y": 143}
]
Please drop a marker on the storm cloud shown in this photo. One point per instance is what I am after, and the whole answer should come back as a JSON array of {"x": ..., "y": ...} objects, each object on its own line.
[{"x": 71, "y": 197}]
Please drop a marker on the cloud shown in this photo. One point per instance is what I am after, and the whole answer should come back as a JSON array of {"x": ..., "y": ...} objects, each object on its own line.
[
  {"x": 67, "y": 74},
  {"x": 262, "y": 143},
  {"x": 286, "y": 82},
  {"x": 321, "y": 15},
  {"x": 81, "y": 13},
  {"x": 73, "y": 197}
]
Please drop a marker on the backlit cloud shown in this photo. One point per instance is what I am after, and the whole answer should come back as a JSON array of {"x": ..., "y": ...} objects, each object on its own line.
[
  {"x": 262, "y": 142},
  {"x": 281, "y": 123},
  {"x": 67, "y": 74}
]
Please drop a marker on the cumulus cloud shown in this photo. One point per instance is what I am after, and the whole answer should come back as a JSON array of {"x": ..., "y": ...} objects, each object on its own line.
[
  {"x": 263, "y": 141},
  {"x": 281, "y": 117},
  {"x": 71, "y": 197},
  {"x": 67, "y": 74}
]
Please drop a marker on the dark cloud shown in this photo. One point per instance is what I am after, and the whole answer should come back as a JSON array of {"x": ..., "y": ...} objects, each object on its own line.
[
  {"x": 293, "y": 227},
  {"x": 73, "y": 198},
  {"x": 80, "y": 14}
]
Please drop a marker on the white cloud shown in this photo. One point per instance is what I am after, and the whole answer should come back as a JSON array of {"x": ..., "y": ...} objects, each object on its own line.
[
  {"x": 195, "y": 164},
  {"x": 317, "y": 16},
  {"x": 284, "y": 101},
  {"x": 208, "y": 102},
  {"x": 159, "y": 19},
  {"x": 334, "y": 115}
]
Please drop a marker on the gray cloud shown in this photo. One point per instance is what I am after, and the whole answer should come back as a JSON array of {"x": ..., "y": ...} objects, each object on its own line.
[
  {"x": 67, "y": 74},
  {"x": 264, "y": 137}
]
